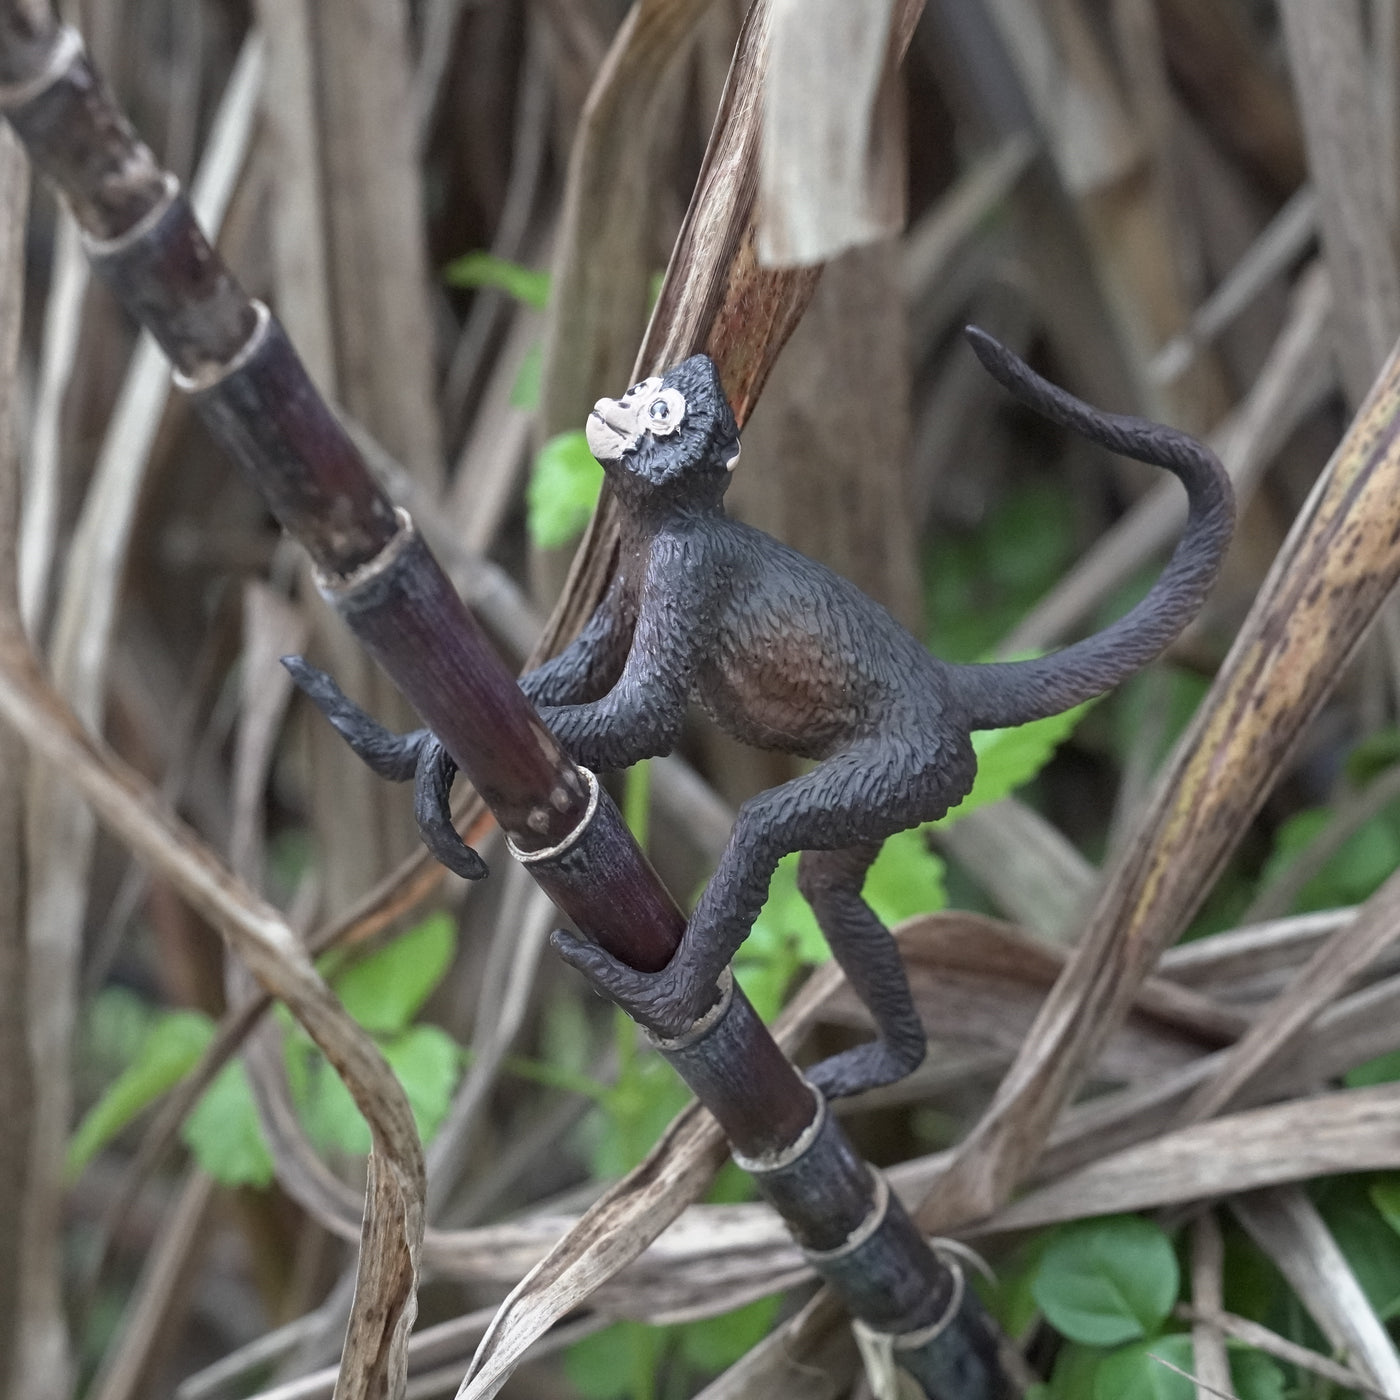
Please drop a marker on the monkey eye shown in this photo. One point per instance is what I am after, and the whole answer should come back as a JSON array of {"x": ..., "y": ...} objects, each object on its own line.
[{"x": 665, "y": 412}]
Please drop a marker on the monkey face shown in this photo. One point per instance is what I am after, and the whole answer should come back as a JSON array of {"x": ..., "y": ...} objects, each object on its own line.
[
  {"x": 661, "y": 430},
  {"x": 615, "y": 427}
]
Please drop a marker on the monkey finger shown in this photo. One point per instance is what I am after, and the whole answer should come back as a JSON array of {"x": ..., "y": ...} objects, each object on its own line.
[
  {"x": 392, "y": 756},
  {"x": 432, "y": 808}
]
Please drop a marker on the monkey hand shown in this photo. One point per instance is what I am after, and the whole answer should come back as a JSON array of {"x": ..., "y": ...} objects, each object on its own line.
[{"x": 666, "y": 1002}]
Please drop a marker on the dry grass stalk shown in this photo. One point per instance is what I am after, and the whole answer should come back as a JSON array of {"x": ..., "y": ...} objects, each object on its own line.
[
  {"x": 1287, "y": 1226},
  {"x": 28, "y": 1234},
  {"x": 1326, "y": 51}
]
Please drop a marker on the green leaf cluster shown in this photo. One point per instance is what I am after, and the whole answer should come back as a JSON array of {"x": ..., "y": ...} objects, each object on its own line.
[
  {"x": 383, "y": 991},
  {"x": 1108, "y": 1287}
]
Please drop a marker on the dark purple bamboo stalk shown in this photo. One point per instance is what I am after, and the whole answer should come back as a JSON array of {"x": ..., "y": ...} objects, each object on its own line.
[{"x": 253, "y": 393}]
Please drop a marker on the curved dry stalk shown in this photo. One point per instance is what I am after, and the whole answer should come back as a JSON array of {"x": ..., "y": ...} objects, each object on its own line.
[
  {"x": 385, "y": 1302},
  {"x": 29, "y": 1248},
  {"x": 522, "y": 928}
]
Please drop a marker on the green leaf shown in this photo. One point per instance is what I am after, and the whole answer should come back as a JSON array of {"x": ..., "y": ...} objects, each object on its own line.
[
  {"x": 324, "y": 1104},
  {"x": 1028, "y": 538},
  {"x": 1073, "y": 1376},
  {"x": 223, "y": 1132},
  {"x": 115, "y": 1027},
  {"x": 621, "y": 1360},
  {"x": 636, "y": 801},
  {"x": 426, "y": 1060},
  {"x": 525, "y": 392},
  {"x": 646, "y": 1096},
  {"x": 483, "y": 269},
  {"x": 784, "y": 938},
  {"x": 1107, "y": 1281},
  {"x": 428, "y": 1063},
  {"x": 906, "y": 879},
  {"x": 714, "y": 1343},
  {"x": 1373, "y": 1251},
  {"x": 563, "y": 490},
  {"x": 786, "y": 921},
  {"x": 1357, "y": 870},
  {"x": 1154, "y": 706},
  {"x": 1373, "y": 755},
  {"x": 1010, "y": 758},
  {"x": 171, "y": 1048},
  {"x": 385, "y": 990},
  {"x": 1134, "y": 1373},
  {"x": 1010, "y": 1298},
  {"x": 980, "y": 583},
  {"x": 1254, "y": 1375},
  {"x": 1385, "y": 1196},
  {"x": 1382, "y": 1070},
  {"x": 765, "y": 982}
]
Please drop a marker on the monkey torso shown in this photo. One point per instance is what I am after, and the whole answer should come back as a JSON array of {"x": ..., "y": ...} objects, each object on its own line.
[{"x": 788, "y": 655}]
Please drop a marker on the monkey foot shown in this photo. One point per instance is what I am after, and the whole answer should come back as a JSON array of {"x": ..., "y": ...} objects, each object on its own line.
[{"x": 666, "y": 1002}]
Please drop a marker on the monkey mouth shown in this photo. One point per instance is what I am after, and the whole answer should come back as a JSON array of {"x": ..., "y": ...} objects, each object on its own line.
[{"x": 608, "y": 439}]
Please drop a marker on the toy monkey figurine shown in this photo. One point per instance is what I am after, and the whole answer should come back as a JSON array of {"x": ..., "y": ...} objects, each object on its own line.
[{"x": 784, "y": 654}]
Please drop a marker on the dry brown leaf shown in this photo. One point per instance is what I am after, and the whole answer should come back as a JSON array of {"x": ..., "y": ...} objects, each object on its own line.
[
  {"x": 1346, "y": 954},
  {"x": 1348, "y": 1131},
  {"x": 612, "y": 1233},
  {"x": 832, "y": 166}
]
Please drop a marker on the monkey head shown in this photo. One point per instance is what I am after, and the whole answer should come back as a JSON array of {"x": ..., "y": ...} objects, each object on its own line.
[{"x": 671, "y": 437}]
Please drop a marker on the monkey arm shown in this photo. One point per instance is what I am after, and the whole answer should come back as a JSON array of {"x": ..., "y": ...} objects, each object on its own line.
[
  {"x": 641, "y": 715},
  {"x": 590, "y": 665}
]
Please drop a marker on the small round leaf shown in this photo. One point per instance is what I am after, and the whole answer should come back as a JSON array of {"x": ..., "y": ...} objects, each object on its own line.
[{"x": 1106, "y": 1281}]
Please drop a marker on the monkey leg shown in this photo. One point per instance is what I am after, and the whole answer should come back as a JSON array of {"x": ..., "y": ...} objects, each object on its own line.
[
  {"x": 831, "y": 881},
  {"x": 397, "y": 757},
  {"x": 867, "y": 792}
]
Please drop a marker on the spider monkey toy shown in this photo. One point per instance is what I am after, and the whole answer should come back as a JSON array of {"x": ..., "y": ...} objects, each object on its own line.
[{"x": 784, "y": 654}]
